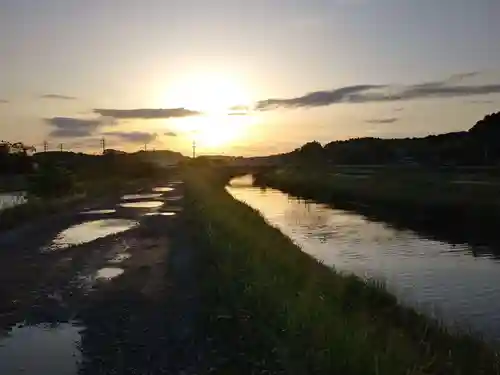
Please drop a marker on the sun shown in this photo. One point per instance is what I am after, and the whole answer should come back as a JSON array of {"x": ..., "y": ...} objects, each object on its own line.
[
  {"x": 220, "y": 130},
  {"x": 209, "y": 92},
  {"x": 214, "y": 96}
]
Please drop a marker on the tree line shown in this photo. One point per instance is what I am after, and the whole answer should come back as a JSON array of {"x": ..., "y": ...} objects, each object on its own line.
[{"x": 479, "y": 146}]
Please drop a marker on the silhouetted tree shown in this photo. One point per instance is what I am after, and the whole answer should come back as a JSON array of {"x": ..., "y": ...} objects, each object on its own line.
[{"x": 478, "y": 146}]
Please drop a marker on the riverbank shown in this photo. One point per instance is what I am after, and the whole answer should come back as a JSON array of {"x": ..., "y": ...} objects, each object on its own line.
[
  {"x": 451, "y": 206},
  {"x": 88, "y": 191},
  {"x": 274, "y": 308},
  {"x": 110, "y": 290}
]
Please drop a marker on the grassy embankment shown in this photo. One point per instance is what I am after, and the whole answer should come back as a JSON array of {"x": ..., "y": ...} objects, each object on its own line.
[
  {"x": 274, "y": 309},
  {"x": 463, "y": 205}
]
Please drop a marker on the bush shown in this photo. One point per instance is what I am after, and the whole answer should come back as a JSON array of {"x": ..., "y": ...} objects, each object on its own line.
[{"x": 50, "y": 181}]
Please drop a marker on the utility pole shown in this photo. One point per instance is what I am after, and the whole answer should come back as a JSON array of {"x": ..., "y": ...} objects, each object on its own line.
[
  {"x": 60, "y": 147},
  {"x": 194, "y": 149},
  {"x": 145, "y": 146},
  {"x": 45, "y": 146},
  {"x": 103, "y": 145}
]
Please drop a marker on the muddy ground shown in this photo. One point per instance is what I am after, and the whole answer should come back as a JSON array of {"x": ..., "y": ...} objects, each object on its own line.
[{"x": 142, "y": 321}]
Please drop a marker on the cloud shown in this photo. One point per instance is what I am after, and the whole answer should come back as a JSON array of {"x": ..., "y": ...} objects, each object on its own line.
[
  {"x": 382, "y": 120},
  {"x": 170, "y": 134},
  {"x": 239, "y": 108},
  {"x": 238, "y": 113},
  {"x": 57, "y": 96},
  {"x": 481, "y": 101},
  {"x": 447, "y": 88},
  {"x": 66, "y": 127},
  {"x": 318, "y": 98},
  {"x": 4, "y": 101},
  {"x": 462, "y": 76},
  {"x": 146, "y": 113},
  {"x": 399, "y": 109},
  {"x": 134, "y": 137}
]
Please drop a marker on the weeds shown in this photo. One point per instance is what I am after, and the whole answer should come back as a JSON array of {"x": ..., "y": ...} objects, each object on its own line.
[{"x": 275, "y": 309}]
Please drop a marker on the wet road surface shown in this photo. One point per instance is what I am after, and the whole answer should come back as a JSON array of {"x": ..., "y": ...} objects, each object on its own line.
[{"x": 106, "y": 289}]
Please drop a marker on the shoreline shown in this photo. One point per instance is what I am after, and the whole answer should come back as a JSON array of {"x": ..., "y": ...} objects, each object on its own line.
[
  {"x": 309, "y": 315},
  {"x": 435, "y": 214}
]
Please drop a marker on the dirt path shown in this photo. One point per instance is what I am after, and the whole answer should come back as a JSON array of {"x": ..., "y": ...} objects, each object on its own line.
[{"x": 127, "y": 302}]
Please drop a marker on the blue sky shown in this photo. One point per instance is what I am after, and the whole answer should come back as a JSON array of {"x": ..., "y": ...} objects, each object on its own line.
[{"x": 64, "y": 59}]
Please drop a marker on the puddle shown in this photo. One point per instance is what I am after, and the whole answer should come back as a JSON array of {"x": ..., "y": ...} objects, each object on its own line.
[
  {"x": 163, "y": 189},
  {"x": 161, "y": 214},
  {"x": 40, "y": 350},
  {"x": 90, "y": 231},
  {"x": 108, "y": 273},
  {"x": 120, "y": 258},
  {"x": 98, "y": 212},
  {"x": 129, "y": 197},
  {"x": 175, "y": 208},
  {"x": 145, "y": 204},
  {"x": 8, "y": 200},
  {"x": 176, "y": 198}
]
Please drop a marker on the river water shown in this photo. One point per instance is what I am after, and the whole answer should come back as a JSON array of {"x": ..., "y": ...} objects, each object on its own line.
[{"x": 456, "y": 284}]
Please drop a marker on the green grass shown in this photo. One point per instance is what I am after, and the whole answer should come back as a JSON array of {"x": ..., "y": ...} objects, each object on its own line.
[{"x": 277, "y": 310}]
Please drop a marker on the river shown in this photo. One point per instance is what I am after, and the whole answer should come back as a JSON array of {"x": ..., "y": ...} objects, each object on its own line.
[{"x": 456, "y": 284}]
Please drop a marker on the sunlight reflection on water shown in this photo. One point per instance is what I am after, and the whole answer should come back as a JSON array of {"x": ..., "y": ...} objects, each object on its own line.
[
  {"x": 457, "y": 283},
  {"x": 90, "y": 231}
]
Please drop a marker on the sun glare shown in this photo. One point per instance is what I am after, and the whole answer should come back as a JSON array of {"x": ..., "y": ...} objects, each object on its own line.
[
  {"x": 210, "y": 93},
  {"x": 213, "y": 95}
]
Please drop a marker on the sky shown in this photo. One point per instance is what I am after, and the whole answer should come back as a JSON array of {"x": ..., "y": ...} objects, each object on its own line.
[{"x": 243, "y": 77}]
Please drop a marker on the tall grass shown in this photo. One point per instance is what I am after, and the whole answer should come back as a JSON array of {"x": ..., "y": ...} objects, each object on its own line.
[{"x": 275, "y": 309}]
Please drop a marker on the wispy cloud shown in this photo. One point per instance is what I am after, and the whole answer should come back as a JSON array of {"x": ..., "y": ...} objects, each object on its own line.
[
  {"x": 447, "y": 88},
  {"x": 481, "y": 101},
  {"x": 170, "y": 134},
  {"x": 318, "y": 98},
  {"x": 146, "y": 113},
  {"x": 134, "y": 137},
  {"x": 382, "y": 120},
  {"x": 238, "y": 113},
  {"x": 239, "y": 108},
  {"x": 67, "y": 127},
  {"x": 58, "y": 97}
]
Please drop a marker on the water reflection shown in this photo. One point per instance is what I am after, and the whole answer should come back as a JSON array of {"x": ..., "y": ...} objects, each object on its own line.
[
  {"x": 174, "y": 198},
  {"x": 143, "y": 204},
  {"x": 108, "y": 273},
  {"x": 163, "y": 189},
  {"x": 161, "y": 214},
  {"x": 99, "y": 212},
  {"x": 120, "y": 258},
  {"x": 440, "y": 279},
  {"x": 90, "y": 231},
  {"x": 40, "y": 350},
  {"x": 8, "y": 200},
  {"x": 140, "y": 196}
]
